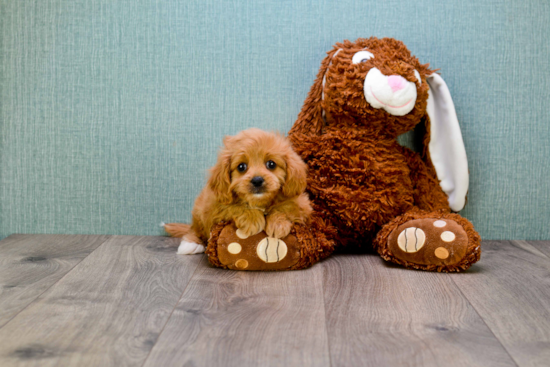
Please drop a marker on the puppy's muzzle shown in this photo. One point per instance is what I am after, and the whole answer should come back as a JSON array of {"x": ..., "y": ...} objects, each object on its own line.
[{"x": 257, "y": 184}]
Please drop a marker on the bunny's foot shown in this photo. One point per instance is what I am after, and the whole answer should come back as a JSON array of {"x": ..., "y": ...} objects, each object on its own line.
[
  {"x": 237, "y": 251},
  {"x": 430, "y": 241},
  {"x": 230, "y": 248}
]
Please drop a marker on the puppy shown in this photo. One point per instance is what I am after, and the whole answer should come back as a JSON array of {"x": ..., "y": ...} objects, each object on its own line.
[{"x": 258, "y": 182}]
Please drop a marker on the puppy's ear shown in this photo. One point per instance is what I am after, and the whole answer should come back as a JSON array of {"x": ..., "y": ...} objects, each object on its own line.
[
  {"x": 296, "y": 175},
  {"x": 220, "y": 176}
]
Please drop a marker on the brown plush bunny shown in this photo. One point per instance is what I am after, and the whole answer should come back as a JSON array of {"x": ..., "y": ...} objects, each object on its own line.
[
  {"x": 362, "y": 182},
  {"x": 365, "y": 187}
]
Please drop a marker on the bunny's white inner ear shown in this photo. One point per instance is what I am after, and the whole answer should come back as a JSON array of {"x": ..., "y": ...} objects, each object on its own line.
[
  {"x": 323, "y": 113},
  {"x": 446, "y": 146},
  {"x": 325, "y": 76}
]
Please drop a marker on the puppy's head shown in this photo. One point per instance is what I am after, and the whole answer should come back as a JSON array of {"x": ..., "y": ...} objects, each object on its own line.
[{"x": 255, "y": 167}]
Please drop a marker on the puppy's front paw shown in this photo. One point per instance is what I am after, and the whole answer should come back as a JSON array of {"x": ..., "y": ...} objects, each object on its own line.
[
  {"x": 251, "y": 222},
  {"x": 190, "y": 248},
  {"x": 278, "y": 225}
]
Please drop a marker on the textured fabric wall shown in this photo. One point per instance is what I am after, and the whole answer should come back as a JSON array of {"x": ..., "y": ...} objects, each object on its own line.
[{"x": 111, "y": 111}]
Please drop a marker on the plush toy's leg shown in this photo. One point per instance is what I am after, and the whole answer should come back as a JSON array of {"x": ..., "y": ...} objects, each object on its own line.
[
  {"x": 305, "y": 245},
  {"x": 429, "y": 241}
]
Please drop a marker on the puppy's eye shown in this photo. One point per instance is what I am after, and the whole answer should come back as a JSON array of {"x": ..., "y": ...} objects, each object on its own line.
[
  {"x": 270, "y": 165},
  {"x": 242, "y": 167},
  {"x": 361, "y": 56}
]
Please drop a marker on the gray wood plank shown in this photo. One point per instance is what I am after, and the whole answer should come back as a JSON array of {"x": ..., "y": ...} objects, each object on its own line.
[
  {"x": 510, "y": 289},
  {"x": 383, "y": 315},
  {"x": 229, "y": 318},
  {"x": 542, "y": 246},
  {"x": 108, "y": 311},
  {"x": 30, "y": 264}
]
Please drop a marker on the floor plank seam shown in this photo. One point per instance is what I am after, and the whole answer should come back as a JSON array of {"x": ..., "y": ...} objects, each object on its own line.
[
  {"x": 484, "y": 322},
  {"x": 53, "y": 284},
  {"x": 534, "y": 247},
  {"x": 173, "y": 309},
  {"x": 325, "y": 313}
]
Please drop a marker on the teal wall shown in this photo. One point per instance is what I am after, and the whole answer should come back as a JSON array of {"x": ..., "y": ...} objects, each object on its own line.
[{"x": 111, "y": 111}]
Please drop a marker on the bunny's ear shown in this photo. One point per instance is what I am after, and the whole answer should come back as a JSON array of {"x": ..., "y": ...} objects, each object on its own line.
[
  {"x": 310, "y": 119},
  {"x": 446, "y": 146}
]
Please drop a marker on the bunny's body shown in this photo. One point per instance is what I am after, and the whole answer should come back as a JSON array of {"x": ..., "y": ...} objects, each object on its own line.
[{"x": 360, "y": 184}]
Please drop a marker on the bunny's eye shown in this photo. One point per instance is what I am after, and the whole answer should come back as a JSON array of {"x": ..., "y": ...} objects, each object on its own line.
[
  {"x": 361, "y": 56},
  {"x": 417, "y": 75}
]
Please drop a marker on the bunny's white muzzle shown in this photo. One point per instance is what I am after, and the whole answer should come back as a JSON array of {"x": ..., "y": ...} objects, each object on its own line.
[{"x": 393, "y": 93}]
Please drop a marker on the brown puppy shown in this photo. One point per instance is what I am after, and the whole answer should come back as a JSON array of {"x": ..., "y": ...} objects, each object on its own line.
[{"x": 258, "y": 182}]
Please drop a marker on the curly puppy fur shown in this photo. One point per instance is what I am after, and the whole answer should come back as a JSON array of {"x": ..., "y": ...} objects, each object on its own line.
[
  {"x": 360, "y": 179},
  {"x": 258, "y": 182}
]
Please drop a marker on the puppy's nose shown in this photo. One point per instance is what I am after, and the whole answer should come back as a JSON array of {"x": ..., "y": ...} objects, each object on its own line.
[{"x": 257, "y": 181}]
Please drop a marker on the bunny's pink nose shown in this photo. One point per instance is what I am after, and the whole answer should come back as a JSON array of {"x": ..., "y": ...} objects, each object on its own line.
[{"x": 396, "y": 82}]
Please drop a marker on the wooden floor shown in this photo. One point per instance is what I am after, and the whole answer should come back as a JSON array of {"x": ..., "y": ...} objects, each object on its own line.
[{"x": 131, "y": 301}]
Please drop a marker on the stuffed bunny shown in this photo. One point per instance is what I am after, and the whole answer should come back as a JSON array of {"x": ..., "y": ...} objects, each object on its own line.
[{"x": 367, "y": 187}]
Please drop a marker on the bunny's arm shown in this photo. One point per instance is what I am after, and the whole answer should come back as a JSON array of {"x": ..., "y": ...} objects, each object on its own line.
[{"x": 428, "y": 195}]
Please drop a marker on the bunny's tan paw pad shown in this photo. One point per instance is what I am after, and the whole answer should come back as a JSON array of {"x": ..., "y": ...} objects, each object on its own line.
[
  {"x": 257, "y": 252},
  {"x": 429, "y": 241}
]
